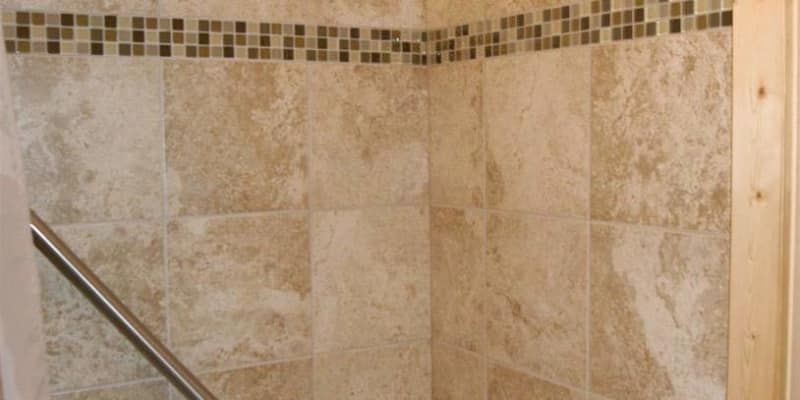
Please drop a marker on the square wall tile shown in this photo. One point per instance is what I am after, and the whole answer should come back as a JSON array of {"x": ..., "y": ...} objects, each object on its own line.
[
  {"x": 235, "y": 136},
  {"x": 536, "y": 109},
  {"x": 508, "y": 384},
  {"x": 375, "y": 13},
  {"x": 457, "y": 167},
  {"x": 458, "y": 277},
  {"x": 659, "y": 314},
  {"x": 240, "y": 289},
  {"x": 281, "y": 381},
  {"x": 537, "y": 297},
  {"x": 397, "y": 372},
  {"x": 370, "y": 136},
  {"x": 138, "y": 391},
  {"x": 443, "y": 13},
  {"x": 83, "y": 348},
  {"x": 91, "y": 136},
  {"x": 661, "y": 131},
  {"x": 149, "y": 7},
  {"x": 250, "y": 10},
  {"x": 371, "y": 277},
  {"x": 457, "y": 374}
]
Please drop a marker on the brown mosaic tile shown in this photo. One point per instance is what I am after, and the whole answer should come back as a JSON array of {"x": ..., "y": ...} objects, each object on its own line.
[{"x": 584, "y": 23}]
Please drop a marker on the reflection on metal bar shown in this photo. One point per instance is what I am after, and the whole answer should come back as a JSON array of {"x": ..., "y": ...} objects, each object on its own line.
[{"x": 112, "y": 308}]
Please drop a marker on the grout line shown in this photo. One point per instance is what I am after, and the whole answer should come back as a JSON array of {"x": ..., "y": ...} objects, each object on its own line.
[
  {"x": 485, "y": 245},
  {"x": 310, "y": 221},
  {"x": 429, "y": 128},
  {"x": 108, "y": 386},
  {"x": 588, "y": 318}
]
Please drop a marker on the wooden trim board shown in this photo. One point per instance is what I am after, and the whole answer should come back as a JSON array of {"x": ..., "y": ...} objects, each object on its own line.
[{"x": 761, "y": 200}]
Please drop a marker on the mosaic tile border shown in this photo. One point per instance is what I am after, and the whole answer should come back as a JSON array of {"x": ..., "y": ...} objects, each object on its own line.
[{"x": 588, "y": 23}]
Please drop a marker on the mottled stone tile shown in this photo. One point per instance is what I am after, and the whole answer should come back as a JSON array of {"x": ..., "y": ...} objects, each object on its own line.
[
  {"x": 659, "y": 314},
  {"x": 537, "y": 127},
  {"x": 661, "y": 131},
  {"x": 457, "y": 375},
  {"x": 536, "y": 302},
  {"x": 507, "y": 384},
  {"x": 283, "y": 11},
  {"x": 148, "y": 7},
  {"x": 239, "y": 289},
  {"x": 375, "y": 13},
  {"x": 457, "y": 157},
  {"x": 92, "y": 136},
  {"x": 370, "y": 135},
  {"x": 235, "y": 136},
  {"x": 139, "y": 391},
  {"x": 282, "y": 381},
  {"x": 371, "y": 277},
  {"x": 83, "y": 348},
  {"x": 442, "y": 13},
  {"x": 392, "y": 373},
  {"x": 502, "y": 8},
  {"x": 458, "y": 278}
]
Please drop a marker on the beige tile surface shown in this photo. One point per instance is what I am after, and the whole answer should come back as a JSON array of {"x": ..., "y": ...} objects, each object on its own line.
[
  {"x": 371, "y": 277},
  {"x": 458, "y": 278},
  {"x": 139, "y": 391},
  {"x": 370, "y": 137},
  {"x": 457, "y": 157},
  {"x": 442, "y": 13},
  {"x": 400, "y": 372},
  {"x": 83, "y": 348},
  {"x": 661, "y": 131},
  {"x": 92, "y": 136},
  {"x": 239, "y": 289},
  {"x": 536, "y": 109},
  {"x": 507, "y": 384},
  {"x": 235, "y": 136},
  {"x": 457, "y": 375},
  {"x": 283, "y": 11},
  {"x": 503, "y": 8},
  {"x": 536, "y": 305},
  {"x": 283, "y": 381},
  {"x": 375, "y": 13},
  {"x": 148, "y": 7},
  {"x": 659, "y": 314}
]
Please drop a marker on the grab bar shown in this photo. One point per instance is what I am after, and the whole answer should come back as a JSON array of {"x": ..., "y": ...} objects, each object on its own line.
[{"x": 115, "y": 311}]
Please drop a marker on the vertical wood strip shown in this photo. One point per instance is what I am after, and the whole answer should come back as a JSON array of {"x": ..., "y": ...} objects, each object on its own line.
[{"x": 759, "y": 256}]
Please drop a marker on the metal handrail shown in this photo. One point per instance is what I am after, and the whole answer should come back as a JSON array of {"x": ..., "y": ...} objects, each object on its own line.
[{"x": 115, "y": 311}]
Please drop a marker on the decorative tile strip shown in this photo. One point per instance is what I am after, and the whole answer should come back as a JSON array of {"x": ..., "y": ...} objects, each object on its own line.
[
  {"x": 587, "y": 23},
  {"x": 31, "y": 32},
  {"x": 590, "y": 22}
]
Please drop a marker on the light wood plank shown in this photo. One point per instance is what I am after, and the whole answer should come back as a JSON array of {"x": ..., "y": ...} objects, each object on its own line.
[{"x": 759, "y": 254}]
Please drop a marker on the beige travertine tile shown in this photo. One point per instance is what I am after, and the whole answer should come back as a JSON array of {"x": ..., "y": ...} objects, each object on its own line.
[
  {"x": 140, "y": 391},
  {"x": 235, "y": 136},
  {"x": 458, "y": 277},
  {"x": 370, "y": 135},
  {"x": 457, "y": 149},
  {"x": 507, "y": 384},
  {"x": 392, "y": 373},
  {"x": 502, "y": 8},
  {"x": 442, "y": 13},
  {"x": 148, "y": 7},
  {"x": 536, "y": 109},
  {"x": 371, "y": 277},
  {"x": 281, "y": 11},
  {"x": 457, "y": 375},
  {"x": 92, "y": 136},
  {"x": 659, "y": 314},
  {"x": 240, "y": 289},
  {"x": 536, "y": 302},
  {"x": 83, "y": 348},
  {"x": 661, "y": 131},
  {"x": 375, "y": 13},
  {"x": 283, "y": 381}
]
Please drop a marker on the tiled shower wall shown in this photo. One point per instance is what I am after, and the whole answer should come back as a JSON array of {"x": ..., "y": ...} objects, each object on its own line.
[
  {"x": 556, "y": 220},
  {"x": 580, "y": 219},
  {"x": 212, "y": 196}
]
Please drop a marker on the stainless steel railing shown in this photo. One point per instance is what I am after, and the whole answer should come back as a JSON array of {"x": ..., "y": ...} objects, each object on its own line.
[{"x": 112, "y": 308}]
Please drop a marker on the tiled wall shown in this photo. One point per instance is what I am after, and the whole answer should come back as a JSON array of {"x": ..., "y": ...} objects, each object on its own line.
[
  {"x": 580, "y": 221},
  {"x": 301, "y": 226}
]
